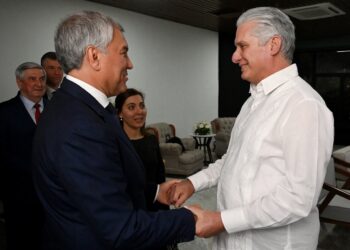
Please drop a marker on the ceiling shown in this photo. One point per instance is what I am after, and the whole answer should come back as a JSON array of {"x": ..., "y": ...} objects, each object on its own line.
[{"x": 220, "y": 15}]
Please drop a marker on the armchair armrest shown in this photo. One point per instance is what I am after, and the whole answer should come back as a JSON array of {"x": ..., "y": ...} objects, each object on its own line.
[
  {"x": 189, "y": 143},
  {"x": 333, "y": 191},
  {"x": 337, "y": 191},
  {"x": 170, "y": 149},
  {"x": 341, "y": 162}
]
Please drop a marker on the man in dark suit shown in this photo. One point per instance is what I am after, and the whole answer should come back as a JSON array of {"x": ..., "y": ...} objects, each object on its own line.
[
  {"x": 87, "y": 174},
  {"x": 54, "y": 72},
  {"x": 23, "y": 212}
]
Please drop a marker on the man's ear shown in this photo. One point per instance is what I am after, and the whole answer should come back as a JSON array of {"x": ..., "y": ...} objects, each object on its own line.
[
  {"x": 93, "y": 57},
  {"x": 275, "y": 45},
  {"x": 19, "y": 83}
]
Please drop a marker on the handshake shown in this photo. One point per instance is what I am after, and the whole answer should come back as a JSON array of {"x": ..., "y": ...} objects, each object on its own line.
[{"x": 176, "y": 192}]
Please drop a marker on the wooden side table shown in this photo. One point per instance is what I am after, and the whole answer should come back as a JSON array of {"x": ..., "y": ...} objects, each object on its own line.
[{"x": 203, "y": 141}]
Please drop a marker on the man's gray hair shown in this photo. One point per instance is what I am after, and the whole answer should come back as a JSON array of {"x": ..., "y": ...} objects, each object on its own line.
[
  {"x": 270, "y": 22},
  {"x": 80, "y": 30},
  {"x": 19, "y": 73}
]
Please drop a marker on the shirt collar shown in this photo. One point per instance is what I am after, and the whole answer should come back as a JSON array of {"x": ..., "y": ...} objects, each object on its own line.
[
  {"x": 273, "y": 81},
  {"x": 30, "y": 104},
  {"x": 97, "y": 94},
  {"x": 50, "y": 90},
  {"x": 255, "y": 90}
]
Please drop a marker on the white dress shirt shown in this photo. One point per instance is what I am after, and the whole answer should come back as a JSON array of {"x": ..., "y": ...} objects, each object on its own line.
[
  {"x": 29, "y": 105},
  {"x": 96, "y": 93},
  {"x": 270, "y": 178},
  {"x": 49, "y": 92}
]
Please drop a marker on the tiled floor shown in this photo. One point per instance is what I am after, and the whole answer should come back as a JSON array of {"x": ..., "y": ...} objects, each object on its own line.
[
  {"x": 331, "y": 237},
  {"x": 334, "y": 237}
]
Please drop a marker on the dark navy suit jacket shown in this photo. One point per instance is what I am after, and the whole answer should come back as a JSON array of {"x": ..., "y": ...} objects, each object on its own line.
[
  {"x": 23, "y": 213},
  {"x": 92, "y": 183}
]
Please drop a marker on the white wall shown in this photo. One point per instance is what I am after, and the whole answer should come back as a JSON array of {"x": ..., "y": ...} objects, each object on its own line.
[{"x": 175, "y": 65}]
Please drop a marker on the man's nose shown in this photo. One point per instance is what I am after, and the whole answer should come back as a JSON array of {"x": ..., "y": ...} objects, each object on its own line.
[
  {"x": 130, "y": 65},
  {"x": 40, "y": 82},
  {"x": 236, "y": 57}
]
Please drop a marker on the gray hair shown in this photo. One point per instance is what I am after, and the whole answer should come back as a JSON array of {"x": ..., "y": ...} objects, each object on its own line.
[
  {"x": 270, "y": 22},
  {"x": 19, "y": 73},
  {"x": 80, "y": 30}
]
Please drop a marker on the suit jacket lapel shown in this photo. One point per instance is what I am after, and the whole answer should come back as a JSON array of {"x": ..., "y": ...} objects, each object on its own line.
[{"x": 22, "y": 109}]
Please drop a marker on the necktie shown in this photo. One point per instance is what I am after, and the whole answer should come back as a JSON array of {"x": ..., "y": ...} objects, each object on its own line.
[{"x": 37, "y": 112}]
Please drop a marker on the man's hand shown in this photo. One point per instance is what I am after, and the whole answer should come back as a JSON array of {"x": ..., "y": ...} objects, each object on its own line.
[
  {"x": 181, "y": 192},
  {"x": 208, "y": 223},
  {"x": 165, "y": 190}
]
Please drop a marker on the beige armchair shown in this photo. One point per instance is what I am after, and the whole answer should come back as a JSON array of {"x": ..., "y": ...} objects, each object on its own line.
[
  {"x": 334, "y": 202},
  {"x": 176, "y": 161},
  {"x": 222, "y": 127}
]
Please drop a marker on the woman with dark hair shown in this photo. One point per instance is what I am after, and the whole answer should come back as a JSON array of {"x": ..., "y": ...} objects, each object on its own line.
[{"x": 132, "y": 114}]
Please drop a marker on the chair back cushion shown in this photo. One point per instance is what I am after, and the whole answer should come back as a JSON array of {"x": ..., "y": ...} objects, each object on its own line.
[
  {"x": 342, "y": 153},
  {"x": 223, "y": 125},
  {"x": 162, "y": 130}
]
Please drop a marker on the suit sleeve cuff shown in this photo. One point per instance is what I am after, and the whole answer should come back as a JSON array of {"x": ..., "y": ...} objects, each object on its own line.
[{"x": 155, "y": 198}]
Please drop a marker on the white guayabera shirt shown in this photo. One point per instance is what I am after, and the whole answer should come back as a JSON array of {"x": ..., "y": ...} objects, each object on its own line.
[{"x": 271, "y": 176}]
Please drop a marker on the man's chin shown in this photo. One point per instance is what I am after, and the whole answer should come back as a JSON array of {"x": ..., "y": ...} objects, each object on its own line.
[
  {"x": 122, "y": 88},
  {"x": 244, "y": 76}
]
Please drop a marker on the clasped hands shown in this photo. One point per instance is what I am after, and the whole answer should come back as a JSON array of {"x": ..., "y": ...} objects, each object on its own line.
[{"x": 176, "y": 192}]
